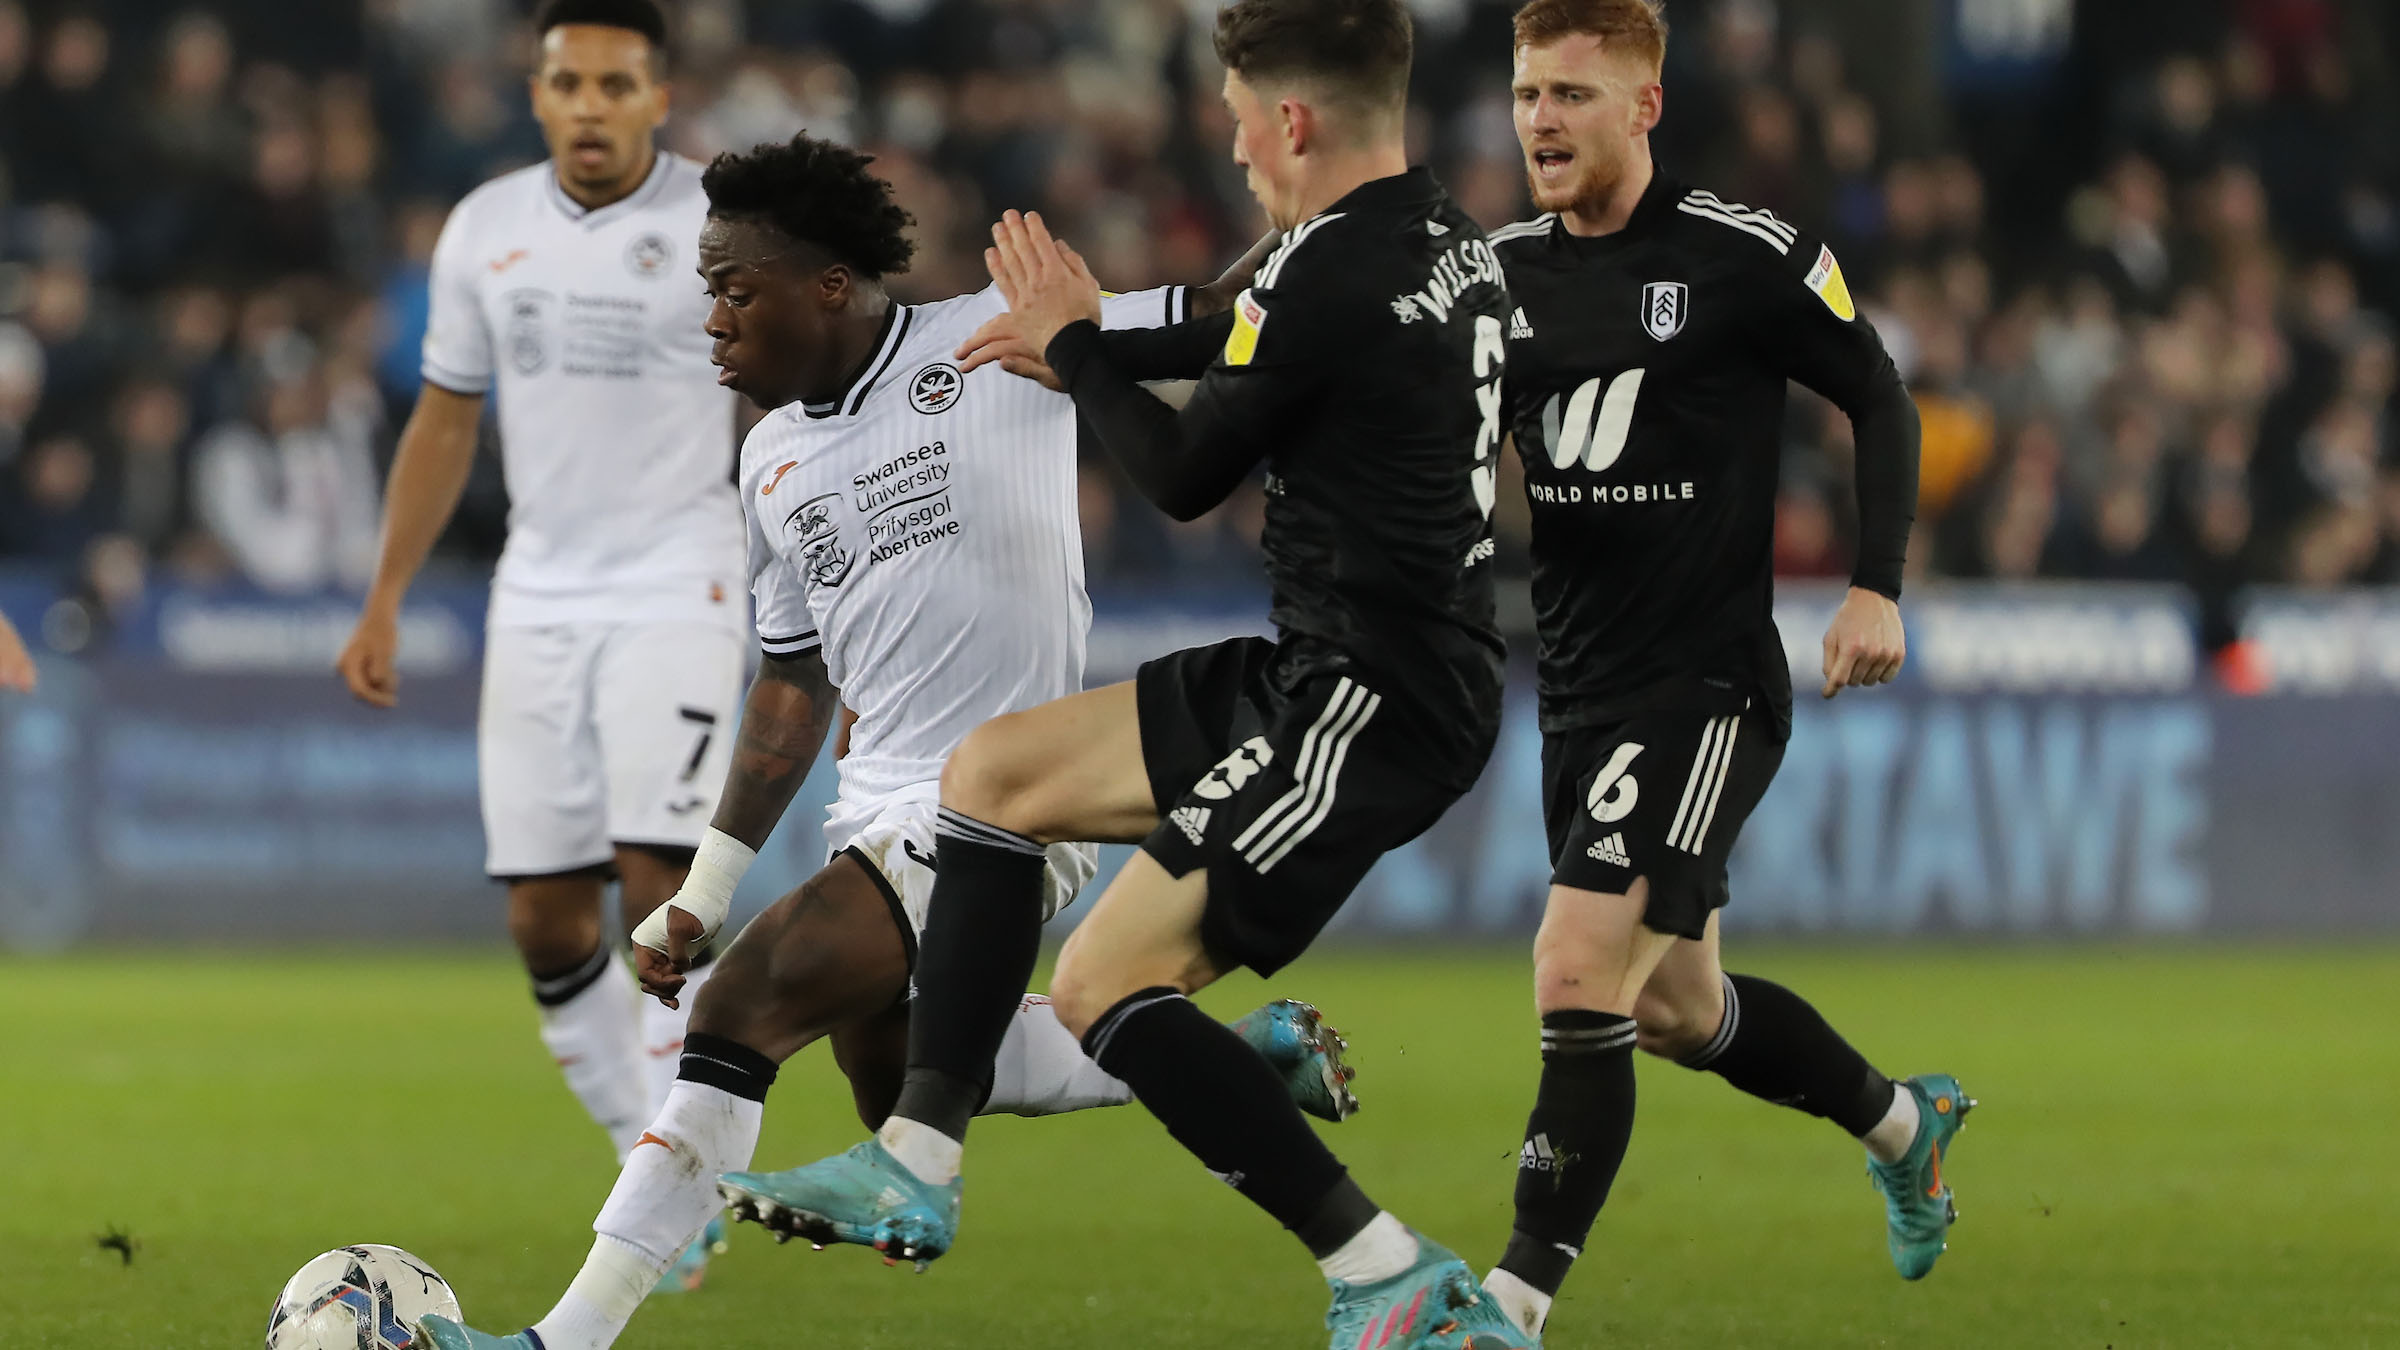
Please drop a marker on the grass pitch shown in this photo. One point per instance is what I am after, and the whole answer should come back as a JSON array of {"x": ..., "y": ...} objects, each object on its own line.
[{"x": 2177, "y": 1148}]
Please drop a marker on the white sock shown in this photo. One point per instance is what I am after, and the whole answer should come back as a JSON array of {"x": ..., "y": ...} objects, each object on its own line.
[
  {"x": 1042, "y": 1070},
  {"x": 922, "y": 1149},
  {"x": 593, "y": 1312},
  {"x": 664, "y": 1197},
  {"x": 594, "y": 1034},
  {"x": 1889, "y": 1141},
  {"x": 1381, "y": 1250},
  {"x": 662, "y": 1038},
  {"x": 1525, "y": 1305}
]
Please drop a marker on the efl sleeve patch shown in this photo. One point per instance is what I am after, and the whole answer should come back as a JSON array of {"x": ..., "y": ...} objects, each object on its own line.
[
  {"x": 1249, "y": 317},
  {"x": 1826, "y": 280}
]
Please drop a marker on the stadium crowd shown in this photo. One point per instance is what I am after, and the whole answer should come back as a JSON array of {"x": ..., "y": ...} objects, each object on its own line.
[{"x": 2138, "y": 259}]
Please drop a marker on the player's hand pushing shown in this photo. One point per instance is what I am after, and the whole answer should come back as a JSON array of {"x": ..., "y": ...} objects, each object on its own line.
[
  {"x": 369, "y": 660},
  {"x": 1045, "y": 282},
  {"x": 1865, "y": 644}
]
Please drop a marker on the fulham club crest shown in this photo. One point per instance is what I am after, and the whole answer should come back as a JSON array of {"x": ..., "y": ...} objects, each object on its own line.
[
  {"x": 1664, "y": 304},
  {"x": 935, "y": 388}
]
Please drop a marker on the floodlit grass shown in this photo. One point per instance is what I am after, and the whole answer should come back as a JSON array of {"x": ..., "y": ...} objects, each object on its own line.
[{"x": 2178, "y": 1147}]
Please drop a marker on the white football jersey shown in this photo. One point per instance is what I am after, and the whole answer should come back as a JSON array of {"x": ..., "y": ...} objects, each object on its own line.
[
  {"x": 615, "y": 438},
  {"x": 922, "y": 529}
]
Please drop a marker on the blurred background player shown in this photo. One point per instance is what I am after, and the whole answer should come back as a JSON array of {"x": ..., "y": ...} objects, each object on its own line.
[
  {"x": 1262, "y": 778},
  {"x": 614, "y": 650},
  {"x": 1655, "y": 330},
  {"x": 914, "y": 542},
  {"x": 16, "y": 664}
]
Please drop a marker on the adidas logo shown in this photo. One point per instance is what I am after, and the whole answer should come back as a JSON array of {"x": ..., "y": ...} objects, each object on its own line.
[
  {"x": 1518, "y": 328},
  {"x": 1539, "y": 1156},
  {"x": 1192, "y": 820},
  {"x": 891, "y": 1198},
  {"x": 1610, "y": 850}
]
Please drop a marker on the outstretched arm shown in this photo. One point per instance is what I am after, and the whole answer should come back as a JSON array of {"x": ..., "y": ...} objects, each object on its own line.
[
  {"x": 785, "y": 719},
  {"x": 1174, "y": 352},
  {"x": 1184, "y": 462}
]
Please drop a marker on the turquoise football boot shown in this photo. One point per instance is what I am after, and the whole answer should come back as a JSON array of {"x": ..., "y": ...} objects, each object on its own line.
[
  {"x": 692, "y": 1267},
  {"x": 444, "y": 1334},
  {"x": 1293, "y": 1037},
  {"x": 864, "y": 1196},
  {"x": 1433, "y": 1305},
  {"x": 1918, "y": 1208}
]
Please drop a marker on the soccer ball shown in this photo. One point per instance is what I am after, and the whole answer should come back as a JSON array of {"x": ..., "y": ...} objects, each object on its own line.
[{"x": 359, "y": 1298}]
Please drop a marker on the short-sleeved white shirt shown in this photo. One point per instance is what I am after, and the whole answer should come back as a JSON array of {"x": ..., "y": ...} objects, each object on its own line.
[
  {"x": 616, "y": 440},
  {"x": 922, "y": 529}
]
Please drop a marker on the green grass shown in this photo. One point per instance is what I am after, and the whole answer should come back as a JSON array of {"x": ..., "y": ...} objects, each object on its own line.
[{"x": 2177, "y": 1148}]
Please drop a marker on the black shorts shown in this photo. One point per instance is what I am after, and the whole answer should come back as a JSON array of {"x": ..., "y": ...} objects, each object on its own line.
[
  {"x": 1659, "y": 795},
  {"x": 1285, "y": 783}
]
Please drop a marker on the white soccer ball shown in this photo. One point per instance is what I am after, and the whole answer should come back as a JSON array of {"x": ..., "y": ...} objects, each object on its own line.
[{"x": 365, "y": 1297}]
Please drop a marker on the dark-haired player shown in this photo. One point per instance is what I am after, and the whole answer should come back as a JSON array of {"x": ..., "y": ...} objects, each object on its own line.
[
  {"x": 1655, "y": 329},
  {"x": 1262, "y": 778},
  {"x": 614, "y": 651},
  {"x": 914, "y": 547}
]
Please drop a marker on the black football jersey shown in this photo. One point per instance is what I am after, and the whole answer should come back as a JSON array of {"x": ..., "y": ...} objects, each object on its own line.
[
  {"x": 1366, "y": 360},
  {"x": 1646, "y": 383}
]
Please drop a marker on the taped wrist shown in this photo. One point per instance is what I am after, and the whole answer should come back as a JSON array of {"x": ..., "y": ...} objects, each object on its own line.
[{"x": 707, "y": 893}]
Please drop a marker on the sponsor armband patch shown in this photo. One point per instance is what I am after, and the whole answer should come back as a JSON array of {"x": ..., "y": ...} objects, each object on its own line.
[
  {"x": 1249, "y": 317},
  {"x": 1826, "y": 280}
]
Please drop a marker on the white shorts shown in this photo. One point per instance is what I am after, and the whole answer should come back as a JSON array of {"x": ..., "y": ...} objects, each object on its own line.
[
  {"x": 594, "y": 735},
  {"x": 894, "y": 838}
]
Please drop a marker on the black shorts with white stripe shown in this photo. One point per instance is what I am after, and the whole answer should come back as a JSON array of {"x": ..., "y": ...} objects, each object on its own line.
[
  {"x": 1285, "y": 782},
  {"x": 1659, "y": 795}
]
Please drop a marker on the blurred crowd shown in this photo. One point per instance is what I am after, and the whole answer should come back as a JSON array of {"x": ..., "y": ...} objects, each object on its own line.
[{"x": 2139, "y": 259}]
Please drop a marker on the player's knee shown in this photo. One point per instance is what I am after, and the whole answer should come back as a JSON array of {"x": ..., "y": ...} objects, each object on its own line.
[
  {"x": 553, "y": 930},
  {"x": 1671, "y": 1025},
  {"x": 1002, "y": 774},
  {"x": 1564, "y": 979},
  {"x": 1077, "y": 999},
  {"x": 991, "y": 777}
]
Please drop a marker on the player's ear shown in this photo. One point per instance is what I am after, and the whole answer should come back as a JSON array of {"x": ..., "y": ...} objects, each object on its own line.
[
  {"x": 834, "y": 285},
  {"x": 1649, "y": 104},
  {"x": 1298, "y": 123}
]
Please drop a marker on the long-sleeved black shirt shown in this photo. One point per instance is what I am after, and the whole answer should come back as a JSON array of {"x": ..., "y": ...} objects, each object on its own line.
[
  {"x": 1647, "y": 374},
  {"x": 1363, "y": 370}
]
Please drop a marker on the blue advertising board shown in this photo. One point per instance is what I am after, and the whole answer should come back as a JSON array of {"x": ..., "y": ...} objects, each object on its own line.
[{"x": 2056, "y": 761}]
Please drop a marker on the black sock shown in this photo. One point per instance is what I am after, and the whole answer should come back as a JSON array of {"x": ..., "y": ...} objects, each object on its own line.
[
  {"x": 983, "y": 933},
  {"x": 1773, "y": 1045},
  {"x": 1574, "y": 1142},
  {"x": 729, "y": 1065},
  {"x": 554, "y": 987},
  {"x": 1223, "y": 1102}
]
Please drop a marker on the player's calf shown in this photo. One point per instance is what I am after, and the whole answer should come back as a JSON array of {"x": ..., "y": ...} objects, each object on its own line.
[
  {"x": 828, "y": 954},
  {"x": 1593, "y": 956},
  {"x": 590, "y": 1017}
]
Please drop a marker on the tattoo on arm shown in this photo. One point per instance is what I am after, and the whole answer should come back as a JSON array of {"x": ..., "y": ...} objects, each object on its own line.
[{"x": 784, "y": 721}]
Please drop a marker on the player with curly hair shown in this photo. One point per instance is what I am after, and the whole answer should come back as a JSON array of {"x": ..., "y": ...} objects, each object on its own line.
[{"x": 916, "y": 557}]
